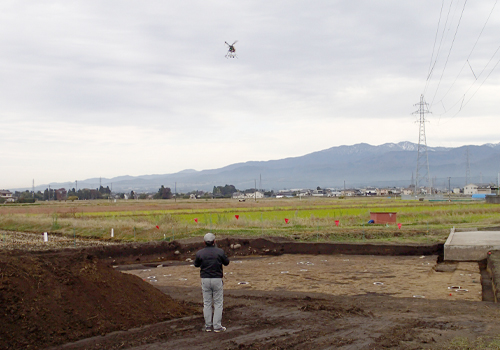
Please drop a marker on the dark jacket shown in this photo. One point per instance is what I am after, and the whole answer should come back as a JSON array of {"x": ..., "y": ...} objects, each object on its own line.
[{"x": 210, "y": 260}]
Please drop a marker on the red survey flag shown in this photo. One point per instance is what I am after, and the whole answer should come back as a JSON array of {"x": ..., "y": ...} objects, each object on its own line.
[
  {"x": 158, "y": 227},
  {"x": 196, "y": 220},
  {"x": 237, "y": 216},
  {"x": 337, "y": 222},
  {"x": 286, "y": 220},
  {"x": 399, "y": 225}
]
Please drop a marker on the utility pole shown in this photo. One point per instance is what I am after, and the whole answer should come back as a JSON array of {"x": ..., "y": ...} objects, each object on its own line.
[
  {"x": 449, "y": 190},
  {"x": 467, "y": 167},
  {"x": 423, "y": 173},
  {"x": 175, "y": 194},
  {"x": 255, "y": 193},
  {"x": 33, "y": 188}
]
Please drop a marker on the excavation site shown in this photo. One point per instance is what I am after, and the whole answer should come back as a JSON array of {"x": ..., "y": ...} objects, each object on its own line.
[{"x": 278, "y": 294}]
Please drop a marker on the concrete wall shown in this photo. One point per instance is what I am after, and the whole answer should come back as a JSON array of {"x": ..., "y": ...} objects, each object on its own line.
[{"x": 493, "y": 199}]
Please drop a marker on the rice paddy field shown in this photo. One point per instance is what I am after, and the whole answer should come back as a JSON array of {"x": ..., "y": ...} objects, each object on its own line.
[{"x": 311, "y": 219}]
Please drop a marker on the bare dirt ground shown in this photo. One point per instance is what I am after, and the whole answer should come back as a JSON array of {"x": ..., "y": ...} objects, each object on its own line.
[
  {"x": 397, "y": 276},
  {"x": 72, "y": 300}
]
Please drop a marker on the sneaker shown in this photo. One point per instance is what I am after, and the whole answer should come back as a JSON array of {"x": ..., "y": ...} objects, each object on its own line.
[
  {"x": 221, "y": 329},
  {"x": 208, "y": 329}
]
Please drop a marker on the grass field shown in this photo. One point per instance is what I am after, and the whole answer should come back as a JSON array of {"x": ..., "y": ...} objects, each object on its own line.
[{"x": 311, "y": 219}]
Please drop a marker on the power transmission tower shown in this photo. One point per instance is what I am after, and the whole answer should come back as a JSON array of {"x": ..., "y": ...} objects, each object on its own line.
[
  {"x": 423, "y": 173},
  {"x": 467, "y": 167}
]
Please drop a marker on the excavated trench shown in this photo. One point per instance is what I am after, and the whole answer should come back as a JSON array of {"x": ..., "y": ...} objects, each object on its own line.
[
  {"x": 59, "y": 296},
  {"x": 135, "y": 256}
]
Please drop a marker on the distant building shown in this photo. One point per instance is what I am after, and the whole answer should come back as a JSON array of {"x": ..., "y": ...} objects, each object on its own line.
[
  {"x": 252, "y": 195},
  {"x": 349, "y": 193},
  {"x": 318, "y": 193},
  {"x": 470, "y": 189},
  {"x": 485, "y": 189},
  {"x": 7, "y": 195},
  {"x": 408, "y": 191},
  {"x": 284, "y": 193},
  {"x": 334, "y": 193}
]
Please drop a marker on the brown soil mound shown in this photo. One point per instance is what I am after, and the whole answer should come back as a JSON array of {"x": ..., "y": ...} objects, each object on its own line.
[{"x": 49, "y": 299}]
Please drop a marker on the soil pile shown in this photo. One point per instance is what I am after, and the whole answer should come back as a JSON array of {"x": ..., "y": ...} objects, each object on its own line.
[{"x": 49, "y": 299}]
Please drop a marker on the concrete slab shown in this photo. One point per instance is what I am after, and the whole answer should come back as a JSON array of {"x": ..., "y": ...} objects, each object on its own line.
[{"x": 471, "y": 245}]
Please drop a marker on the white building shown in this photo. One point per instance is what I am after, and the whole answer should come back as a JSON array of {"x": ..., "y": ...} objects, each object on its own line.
[
  {"x": 470, "y": 189},
  {"x": 407, "y": 191},
  {"x": 318, "y": 193},
  {"x": 334, "y": 193},
  {"x": 7, "y": 195},
  {"x": 253, "y": 195}
]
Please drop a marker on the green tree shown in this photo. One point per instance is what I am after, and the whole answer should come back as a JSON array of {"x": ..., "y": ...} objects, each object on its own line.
[
  {"x": 226, "y": 191},
  {"x": 163, "y": 193}
]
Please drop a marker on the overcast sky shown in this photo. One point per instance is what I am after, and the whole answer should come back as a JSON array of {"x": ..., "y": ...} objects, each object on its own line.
[{"x": 108, "y": 88}]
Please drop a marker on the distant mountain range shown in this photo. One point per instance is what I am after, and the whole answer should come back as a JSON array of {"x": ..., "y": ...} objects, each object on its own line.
[{"x": 360, "y": 165}]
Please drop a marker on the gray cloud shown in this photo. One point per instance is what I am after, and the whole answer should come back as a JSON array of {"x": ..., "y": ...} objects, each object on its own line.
[{"x": 109, "y": 88}]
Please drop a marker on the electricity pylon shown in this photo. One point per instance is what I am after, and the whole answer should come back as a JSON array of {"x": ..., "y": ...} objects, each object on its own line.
[{"x": 423, "y": 173}]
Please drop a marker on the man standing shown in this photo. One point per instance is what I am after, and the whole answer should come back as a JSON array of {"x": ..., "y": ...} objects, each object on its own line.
[{"x": 210, "y": 260}]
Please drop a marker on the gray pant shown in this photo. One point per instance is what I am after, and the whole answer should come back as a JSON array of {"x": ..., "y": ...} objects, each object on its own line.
[{"x": 213, "y": 293}]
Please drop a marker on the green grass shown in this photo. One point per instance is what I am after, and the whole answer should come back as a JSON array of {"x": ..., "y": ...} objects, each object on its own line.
[
  {"x": 462, "y": 343},
  {"x": 309, "y": 220}
]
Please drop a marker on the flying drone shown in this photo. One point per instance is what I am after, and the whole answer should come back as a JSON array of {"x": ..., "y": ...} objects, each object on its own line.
[{"x": 231, "y": 52}]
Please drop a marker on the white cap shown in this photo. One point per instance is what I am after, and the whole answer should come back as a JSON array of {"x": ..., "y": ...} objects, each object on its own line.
[{"x": 209, "y": 237}]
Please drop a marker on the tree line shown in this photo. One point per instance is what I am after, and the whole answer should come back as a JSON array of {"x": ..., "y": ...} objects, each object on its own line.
[{"x": 102, "y": 192}]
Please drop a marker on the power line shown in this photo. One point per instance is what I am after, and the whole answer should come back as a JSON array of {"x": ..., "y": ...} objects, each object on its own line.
[
  {"x": 435, "y": 39},
  {"x": 439, "y": 49},
  {"x": 462, "y": 99},
  {"x": 449, "y": 51},
  {"x": 470, "y": 54}
]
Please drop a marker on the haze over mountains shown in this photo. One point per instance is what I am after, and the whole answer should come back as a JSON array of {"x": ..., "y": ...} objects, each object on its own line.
[{"x": 360, "y": 165}]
